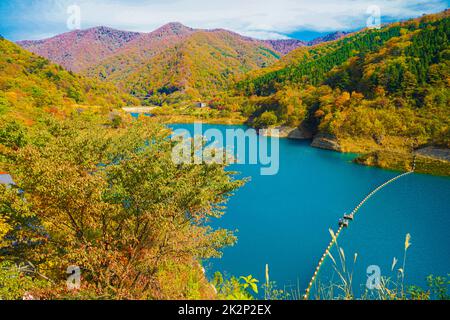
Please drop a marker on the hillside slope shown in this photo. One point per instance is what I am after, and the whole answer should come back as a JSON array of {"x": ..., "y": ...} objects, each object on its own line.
[
  {"x": 376, "y": 91},
  {"x": 135, "y": 54},
  {"x": 80, "y": 49},
  {"x": 200, "y": 66}
]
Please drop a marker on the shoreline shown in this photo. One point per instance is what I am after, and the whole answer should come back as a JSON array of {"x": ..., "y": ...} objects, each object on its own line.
[
  {"x": 430, "y": 160},
  {"x": 383, "y": 159}
]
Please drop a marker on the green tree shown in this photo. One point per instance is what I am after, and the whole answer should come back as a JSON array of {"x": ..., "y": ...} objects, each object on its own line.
[
  {"x": 266, "y": 119},
  {"x": 112, "y": 202}
]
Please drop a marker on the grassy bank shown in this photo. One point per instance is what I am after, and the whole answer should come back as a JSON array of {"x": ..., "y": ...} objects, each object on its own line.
[{"x": 403, "y": 162}]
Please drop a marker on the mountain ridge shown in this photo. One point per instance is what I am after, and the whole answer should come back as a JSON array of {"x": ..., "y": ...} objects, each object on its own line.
[
  {"x": 199, "y": 60},
  {"x": 68, "y": 49},
  {"x": 382, "y": 93},
  {"x": 31, "y": 85},
  {"x": 73, "y": 50}
]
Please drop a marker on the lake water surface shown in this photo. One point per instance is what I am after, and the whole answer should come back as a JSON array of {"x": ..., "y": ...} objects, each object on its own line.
[{"x": 283, "y": 220}]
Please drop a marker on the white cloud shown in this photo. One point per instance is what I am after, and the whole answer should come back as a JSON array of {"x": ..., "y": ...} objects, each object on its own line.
[
  {"x": 258, "y": 18},
  {"x": 266, "y": 35}
]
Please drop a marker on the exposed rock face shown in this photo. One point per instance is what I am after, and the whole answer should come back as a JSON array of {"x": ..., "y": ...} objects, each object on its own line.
[
  {"x": 287, "y": 132},
  {"x": 300, "y": 133},
  {"x": 326, "y": 141},
  {"x": 434, "y": 152},
  {"x": 378, "y": 139}
]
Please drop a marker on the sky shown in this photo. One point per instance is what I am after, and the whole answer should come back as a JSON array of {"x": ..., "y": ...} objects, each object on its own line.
[{"x": 263, "y": 19}]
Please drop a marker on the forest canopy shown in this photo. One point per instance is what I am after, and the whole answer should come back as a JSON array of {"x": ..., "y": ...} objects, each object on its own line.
[{"x": 111, "y": 201}]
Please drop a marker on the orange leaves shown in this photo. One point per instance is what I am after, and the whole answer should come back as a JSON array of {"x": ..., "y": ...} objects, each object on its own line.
[
  {"x": 342, "y": 99},
  {"x": 319, "y": 113}
]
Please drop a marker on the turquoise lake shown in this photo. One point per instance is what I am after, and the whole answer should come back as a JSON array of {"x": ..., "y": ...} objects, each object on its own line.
[{"x": 284, "y": 220}]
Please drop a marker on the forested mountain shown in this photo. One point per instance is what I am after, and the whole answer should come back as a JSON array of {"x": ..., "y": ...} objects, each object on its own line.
[
  {"x": 133, "y": 56},
  {"x": 103, "y": 192},
  {"x": 284, "y": 46},
  {"x": 172, "y": 60},
  {"x": 373, "y": 90},
  {"x": 200, "y": 66},
  {"x": 77, "y": 50},
  {"x": 195, "y": 63},
  {"x": 310, "y": 66},
  {"x": 122, "y": 57},
  {"x": 30, "y": 84}
]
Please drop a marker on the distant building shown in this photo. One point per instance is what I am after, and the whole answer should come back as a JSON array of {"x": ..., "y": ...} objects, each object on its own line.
[
  {"x": 201, "y": 105},
  {"x": 5, "y": 178}
]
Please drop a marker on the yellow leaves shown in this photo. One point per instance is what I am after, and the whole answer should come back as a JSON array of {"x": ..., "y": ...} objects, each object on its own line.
[
  {"x": 357, "y": 96},
  {"x": 133, "y": 204},
  {"x": 5, "y": 228},
  {"x": 250, "y": 282},
  {"x": 11, "y": 96},
  {"x": 34, "y": 86},
  {"x": 380, "y": 92}
]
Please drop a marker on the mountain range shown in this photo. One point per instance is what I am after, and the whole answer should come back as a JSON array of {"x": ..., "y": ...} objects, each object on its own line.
[{"x": 173, "y": 58}]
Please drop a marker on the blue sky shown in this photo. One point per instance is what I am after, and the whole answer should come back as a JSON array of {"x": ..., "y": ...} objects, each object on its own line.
[{"x": 264, "y": 19}]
